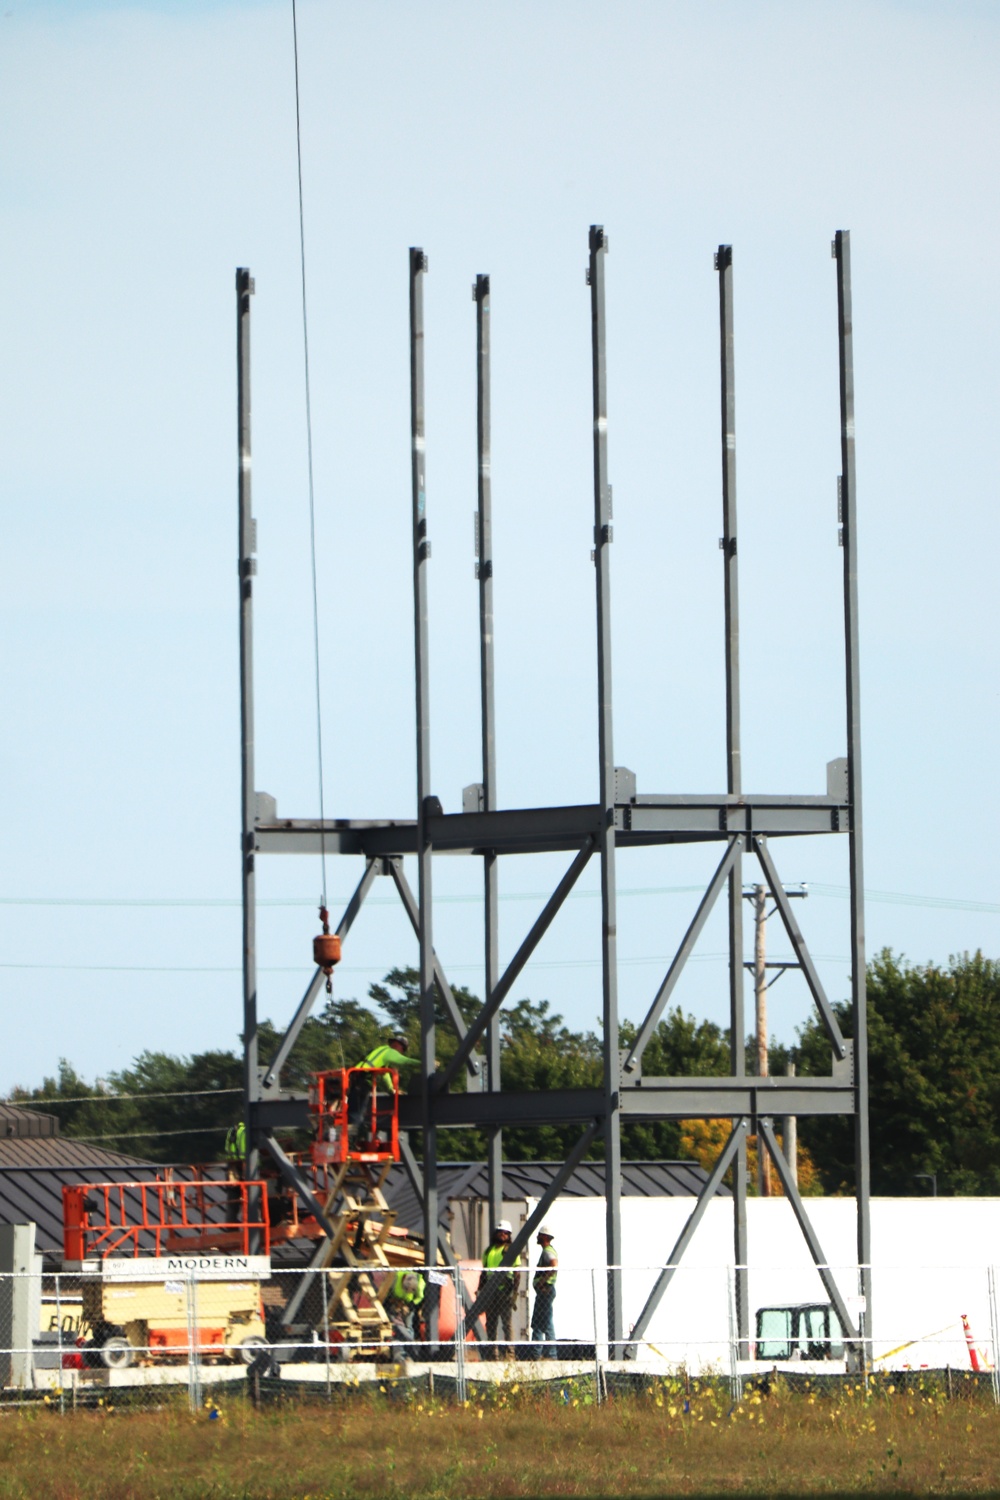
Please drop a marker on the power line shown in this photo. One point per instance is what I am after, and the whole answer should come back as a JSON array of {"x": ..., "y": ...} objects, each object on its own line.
[
  {"x": 134, "y": 1135},
  {"x": 901, "y": 898},
  {"x": 551, "y": 963},
  {"x": 108, "y": 1098},
  {"x": 818, "y": 888}
]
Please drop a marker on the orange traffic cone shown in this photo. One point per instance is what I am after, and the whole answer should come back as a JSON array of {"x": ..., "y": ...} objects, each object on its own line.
[{"x": 974, "y": 1356}]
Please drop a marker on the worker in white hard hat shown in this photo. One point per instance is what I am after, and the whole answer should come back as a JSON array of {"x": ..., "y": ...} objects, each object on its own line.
[
  {"x": 544, "y": 1287},
  {"x": 499, "y": 1289}
]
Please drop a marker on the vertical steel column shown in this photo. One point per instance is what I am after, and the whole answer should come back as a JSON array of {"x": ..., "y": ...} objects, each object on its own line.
[
  {"x": 421, "y": 553},
  {"x": 859, "y": 1010},
  {"x": 490, "y": 871},
  {"x": 247, "y": 569},
  {"x": 734, "y": 774},
  {"x": 609, "y": 931},
  {"x": 760, "y": 1016}
]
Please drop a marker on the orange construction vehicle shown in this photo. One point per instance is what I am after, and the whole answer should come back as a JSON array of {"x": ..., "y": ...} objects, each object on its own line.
[
  {"x": 169, "y": 1267},
  {"x": 178, "y": 1228}
]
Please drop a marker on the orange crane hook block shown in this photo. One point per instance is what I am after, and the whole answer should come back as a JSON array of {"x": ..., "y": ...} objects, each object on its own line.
[{"x": 326, "y": 946}]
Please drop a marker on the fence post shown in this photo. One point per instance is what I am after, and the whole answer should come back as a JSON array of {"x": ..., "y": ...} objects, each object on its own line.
[
  {"x": 194, "y": 1392},
  {"x": 62, "y": 1397},
  {"x": 735, "y": 1383},
  {"x": 459, "y": 1337},
  {"x": 597, "y": 1352},
  {"x": 324, "y": 1283},
  {"x": 991, "y": 1282}
]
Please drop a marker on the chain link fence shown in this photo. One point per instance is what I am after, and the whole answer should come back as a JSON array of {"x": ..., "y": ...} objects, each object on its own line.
[{"x": 140, "y": 1333}]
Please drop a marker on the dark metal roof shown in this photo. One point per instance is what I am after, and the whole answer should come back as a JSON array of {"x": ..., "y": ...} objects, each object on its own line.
[
  {"x": 21, "y": 1124},
  {"x": 640, "y": 1179},
  {"x": 33, "y": 1193},
  {"x": 58, "y": 1151}
]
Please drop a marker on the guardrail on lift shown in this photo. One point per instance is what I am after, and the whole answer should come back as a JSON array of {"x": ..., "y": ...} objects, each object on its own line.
[{"x": 156, "y": 1218}]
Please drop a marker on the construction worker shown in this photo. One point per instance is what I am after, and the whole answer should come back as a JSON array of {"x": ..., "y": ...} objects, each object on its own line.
[
  {"x": 499, "y": 1289},
  {"x": 544, "y": 1286},
  {"x": 236, "y": 1146},
  {"x": 236, "y": 1155},
  {"x": 391, "y": 1056},
  {"x": 403, "y": 1305},
  {"x": 360, "y": 1094}
]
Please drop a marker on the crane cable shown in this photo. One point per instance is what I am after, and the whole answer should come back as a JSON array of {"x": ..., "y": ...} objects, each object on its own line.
[{"x": 309, "y": 454}]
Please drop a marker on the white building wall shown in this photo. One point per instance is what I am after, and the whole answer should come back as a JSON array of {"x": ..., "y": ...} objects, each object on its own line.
[{"x": 929, "y": 1259}]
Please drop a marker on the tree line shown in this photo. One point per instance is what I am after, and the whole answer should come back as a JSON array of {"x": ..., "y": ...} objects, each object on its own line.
[{"x": 934, "y": 1063}]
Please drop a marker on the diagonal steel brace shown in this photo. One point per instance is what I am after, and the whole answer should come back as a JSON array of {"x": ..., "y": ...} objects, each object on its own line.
[
  {"x": 766, "y": 1130},
  {"x": 413, "y": 912},
  {"x": 507, "y": 981},
  {"x": 666, "y": 989},
  {"x": 802, "y": 953},
  {"x": 708, "y": 1192}
]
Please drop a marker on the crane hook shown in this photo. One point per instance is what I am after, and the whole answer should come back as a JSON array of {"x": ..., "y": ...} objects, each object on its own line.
[{"x": 326, "y": 948}]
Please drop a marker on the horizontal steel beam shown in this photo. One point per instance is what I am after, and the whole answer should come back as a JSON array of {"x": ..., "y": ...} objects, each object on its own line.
[
  {"x": 769, "y": 817},
  {"x": 289, "y": 1112},
  {"x": 705, "y": 1099},
  {"x": 646, "y": 820},
  {"x": 654, "y": 1099},
  {"x": 522, "y": 830},
  {"x": 540, "y": 1107}
]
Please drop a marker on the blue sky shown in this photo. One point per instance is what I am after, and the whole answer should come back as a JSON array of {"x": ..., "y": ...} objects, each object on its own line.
[{"x": 149, "y": 150}]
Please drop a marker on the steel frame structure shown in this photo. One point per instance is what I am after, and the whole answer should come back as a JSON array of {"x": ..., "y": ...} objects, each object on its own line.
[{"x": 622, "y": 817}]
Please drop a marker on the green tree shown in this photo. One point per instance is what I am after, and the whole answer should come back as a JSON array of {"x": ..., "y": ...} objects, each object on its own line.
[
  {"x": 86, "y": 1106},
  {"x": 934, "y": 1079},
  {"x": 538, "y": 1051},
  {"x": 202, "y": 1103},
  {"x": 341, "y": 1035},
  {"x": 680, "y": 1046},
  {"x": 188, "y": 1125}
]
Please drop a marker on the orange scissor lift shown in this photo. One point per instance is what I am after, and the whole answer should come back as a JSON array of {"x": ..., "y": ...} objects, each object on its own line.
[
  {"x": 355, "y": 1142},
  {"x": 354, "y": 1122},
  {"x": 114, "y": 1231}
]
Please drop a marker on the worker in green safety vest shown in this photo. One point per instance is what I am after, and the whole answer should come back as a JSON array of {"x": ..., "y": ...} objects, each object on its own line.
[
  {"x": 403, "y": 1305},
  {"x": 236, "y": 1155},
  {"x": 236, "y": 1145},
  {"x": 359, "y": 1099},
  {"x": 392, "y": 1055},
  {"x": 544, "y": 1285},
  {"x": 499, "y": 1289}
]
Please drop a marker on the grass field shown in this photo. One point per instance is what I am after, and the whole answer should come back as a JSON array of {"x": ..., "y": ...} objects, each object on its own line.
[{"x": 661, "y": 1442}]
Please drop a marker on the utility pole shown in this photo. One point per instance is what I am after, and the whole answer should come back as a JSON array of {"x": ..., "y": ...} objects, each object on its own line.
[{"x": 757, "y": 896}]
